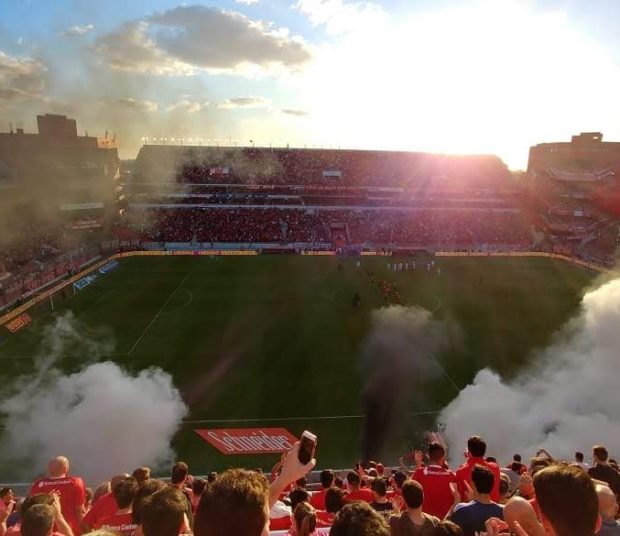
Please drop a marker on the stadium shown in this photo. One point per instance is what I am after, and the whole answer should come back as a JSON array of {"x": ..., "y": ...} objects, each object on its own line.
[{"x": 205, "y": 336}]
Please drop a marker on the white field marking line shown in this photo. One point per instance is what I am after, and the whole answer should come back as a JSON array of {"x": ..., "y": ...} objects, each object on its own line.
[
  {"x": 181, "y": 307},
  {"x": 277, "y": 419},
  {"x": 157, "y": 315}
]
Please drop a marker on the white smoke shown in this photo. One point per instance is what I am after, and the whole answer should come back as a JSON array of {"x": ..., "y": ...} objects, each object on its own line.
[
  {"x": 569, "y": 401},
  {"x": 104, "y": 419}
]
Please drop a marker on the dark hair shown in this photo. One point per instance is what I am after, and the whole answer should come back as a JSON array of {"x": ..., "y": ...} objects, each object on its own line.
[
  {"x": 476, "y": 446},
  {"x": 147, "y": 489},
  {"x": 38, "y": 520},
  {"x": 141, "y": 474},
  {"x": 162, "y": 513},
  {"x": 379, "y": 486},
  {"x": 482, "y": 478},
  {"x": 125, "y": 491},
  {"x": 413, "y": 493},
  {"x": 327, "y": 478},
  {"x": 517, "y": 458},
  {"x": 399, "y": 477},
  {"x": 536, "y": 464},
  {"x": 179, "y": 472},
  {"x": 600, "y": 452},
  {"x": 233, "y": 505},
  {"x": 504, "y": 484},
  {"x": 199, "y": 486},
  {"x": 334, "y": 500},
  {"x": 338, "y": 482},
  {"x": 446, "y": 528},
  {"x": 516, "y": 466},
  {"x": 301, "y": 482},
  {"x": 298, "y": 495},
  {"x": 39, "y": 498},
  {"x": 304, "y": 516},
  {"x": 436, "y": 452},
  {"x": 567, "y": 498},
  {"x": 353, "y": 478},
  {"x": 4, "y": 492},
  {"x": 490, "y": 459},
  {"x": 211, "y": 477},
  {"x": 579, "y": 456},
  {"x": 359, "y": 519}
]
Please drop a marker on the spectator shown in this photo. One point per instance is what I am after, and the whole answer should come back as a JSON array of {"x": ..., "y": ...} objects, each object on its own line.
[
  {"x": 504, "y": 489},
  {"x": 104, "y": 507},
  {"x": 7, "y": 498},
  {"x": 519, "y": 512},
  {"x": 436, "y": 481},
  {"x": 198, "y": 488},
  {"x": 608, "y": 509},
  {"x": 472, "y": 516},
  {"x": 47, "y": 499},
  {"x": 211, "y": 477},
  {"x": 121, "y": 522},
  {"x": 164, "y": 513},
  {"x": 359, "y": 519},
  {"x": 327, "y": 481},
  {"x": 142, "y": 475},
  {"x": 413, "y": 521},
  {"x": 298, "y": 495},
  {"x": 567, "y": 501},
  {"x": 38, "y": 520},
  {"x": 238, "y": 502},
  {"x": 70, "y": 488},
  {"x": 601, "y": 470},
  {"x": 380, "y": 502},
  {"x": 476, "y": 449},
  {"x": 178, "y": 480},
  {"x": 304, "y": 520},
  {"x": 334, "y": 501},
  {"x": 396, "y": 495},
  {"x": 102, "y": 489},
  {"x": 356, "y": 492},
  {"x": 579, "y": 461},
  {"x": 147, "y": 490}
]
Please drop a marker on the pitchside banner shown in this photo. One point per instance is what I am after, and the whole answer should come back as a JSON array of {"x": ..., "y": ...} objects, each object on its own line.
[{"x": 249, "y": 440}]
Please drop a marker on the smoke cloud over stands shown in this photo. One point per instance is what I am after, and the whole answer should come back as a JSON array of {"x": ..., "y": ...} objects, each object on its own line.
[
  {"x": 398, "y": 354},
  {"x": 104, "y": 419},
  {"x": 568, "y": 402}
]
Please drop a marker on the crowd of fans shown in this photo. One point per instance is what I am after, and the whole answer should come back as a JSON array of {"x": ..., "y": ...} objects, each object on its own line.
[
  {"x": 196, "y": 165},
  {"x": 466, "y": 228},
  {"x": 548, "y": 497},
  {"x": 30, "y": 242}
]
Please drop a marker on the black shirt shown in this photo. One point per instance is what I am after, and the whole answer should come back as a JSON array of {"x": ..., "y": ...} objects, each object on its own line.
[{"x": 607, "y": 474}]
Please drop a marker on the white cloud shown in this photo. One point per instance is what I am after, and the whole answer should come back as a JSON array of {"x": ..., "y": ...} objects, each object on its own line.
[
  {"x": 186, "y": 106},
  {"x": 247, "y": 2},
  {"x": 188, "y": 38},
  {"x": 297, "y": 113},
  {"x": 21, "y": 78},
  {"x": 78, "y": 30},
  {"x": 245, "y": 102},
  {"x": 137, "y": 105},
  {"x": 340, "y": 16}
]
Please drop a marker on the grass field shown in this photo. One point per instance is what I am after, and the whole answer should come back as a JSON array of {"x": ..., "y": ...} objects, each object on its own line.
[{"x": 272, "y": 340}]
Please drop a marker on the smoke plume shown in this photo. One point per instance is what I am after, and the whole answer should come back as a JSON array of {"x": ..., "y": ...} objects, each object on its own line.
[
  {"x": 567, "y": 402},
  {"x": 104, "y": 419},
  {"x": 398, "y": 354}
]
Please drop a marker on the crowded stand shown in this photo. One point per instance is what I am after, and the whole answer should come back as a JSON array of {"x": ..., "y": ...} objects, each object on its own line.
[{"x": 481, "y": 497}]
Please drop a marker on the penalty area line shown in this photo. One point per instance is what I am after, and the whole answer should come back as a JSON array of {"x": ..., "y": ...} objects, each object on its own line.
[{"x": 157, "y": 314}]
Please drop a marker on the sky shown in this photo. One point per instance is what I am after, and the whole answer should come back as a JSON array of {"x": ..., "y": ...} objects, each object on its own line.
[{"x": 447, "y": 76}]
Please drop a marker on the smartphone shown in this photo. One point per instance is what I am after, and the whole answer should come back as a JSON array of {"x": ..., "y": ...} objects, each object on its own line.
[{"x": 307, "y": 447}]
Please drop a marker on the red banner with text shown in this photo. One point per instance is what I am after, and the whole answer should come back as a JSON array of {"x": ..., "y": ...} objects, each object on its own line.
[{"x": 249, "y": 440}]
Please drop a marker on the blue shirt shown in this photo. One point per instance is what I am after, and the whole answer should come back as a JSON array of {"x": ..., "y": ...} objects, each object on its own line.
[{"x": 471, "y": 516}]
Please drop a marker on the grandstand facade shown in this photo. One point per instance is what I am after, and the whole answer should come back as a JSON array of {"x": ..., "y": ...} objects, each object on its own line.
[
  {"x": 576, "y": 188},
  {"x": 316, "y": 198}
]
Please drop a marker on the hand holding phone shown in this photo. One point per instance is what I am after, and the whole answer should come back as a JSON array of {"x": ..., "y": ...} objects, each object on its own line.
[{"x": 307, "y": 447}]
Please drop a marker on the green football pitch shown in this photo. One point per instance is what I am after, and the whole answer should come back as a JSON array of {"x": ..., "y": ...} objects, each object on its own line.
[{"x": 275, "y": 340}]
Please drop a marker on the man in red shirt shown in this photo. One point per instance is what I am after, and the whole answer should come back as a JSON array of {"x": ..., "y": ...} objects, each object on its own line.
[
  {"x": 121, "y": 522},
  {"x": 476, "y": 449},
  {"x": 327, "y": 481},
  {"x": 436, "y": 480},
  {"x": 70, "y": 488},
  {"x": 356, "y": 492},
  {"x": 104, "y": 507}
]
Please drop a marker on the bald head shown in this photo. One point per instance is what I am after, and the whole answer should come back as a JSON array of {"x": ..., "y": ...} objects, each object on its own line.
[
  {"x": 521, "y": 511},
  {"x": 607, "y": 503},
  {"x": 58, "y": 467}
]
